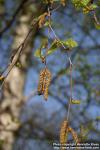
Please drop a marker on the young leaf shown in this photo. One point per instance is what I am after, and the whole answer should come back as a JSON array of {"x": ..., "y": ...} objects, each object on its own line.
[
  {"x": 97, "y": 26},
  {"x": 44, "y": 43},
  {"x": 89, "y": 8},
  {"x": 53, "y": 47},
  {"x": 93, "y": 6},
  {"x": 85, "y": 2},
  {"x": 46, "y": 24},
  {"x": 80, "y": 3},
  {"x": 37, "y": 53},
  {"x": 70, "y": 43},
  {"x": 75, "y": 101}
]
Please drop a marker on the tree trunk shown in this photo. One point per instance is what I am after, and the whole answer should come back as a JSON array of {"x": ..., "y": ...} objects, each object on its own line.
[{"x": 13, "y": 89}]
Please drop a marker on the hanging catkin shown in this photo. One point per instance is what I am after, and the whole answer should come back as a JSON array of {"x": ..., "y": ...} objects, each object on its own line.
[
  {"x": 40, "y": 84},
  {"x": 63, "y": 132},
  {"x": 44, "y": 82},
  {"x": 47, "y": 83},
  {"x": 74, "y": 134}
]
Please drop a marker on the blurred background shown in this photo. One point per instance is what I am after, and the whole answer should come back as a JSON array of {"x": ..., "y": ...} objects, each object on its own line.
[{"x": 27, "y": 121}]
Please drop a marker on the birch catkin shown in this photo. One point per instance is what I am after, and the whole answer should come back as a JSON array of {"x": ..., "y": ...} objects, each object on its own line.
[
  {"x": 74, "y": 134},
  {"x": 44, "y": 82},
  {"x": 63, "y": 132},
  {"x": 40, "y": 84},
  {"x": 47, "y": 83}
]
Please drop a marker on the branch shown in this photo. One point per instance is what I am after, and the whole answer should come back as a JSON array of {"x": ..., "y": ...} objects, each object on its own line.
[
  {"x": 31, "y": 95},
  {"x": 14, "y": 58},
  {"x": 95, "y": 19}
]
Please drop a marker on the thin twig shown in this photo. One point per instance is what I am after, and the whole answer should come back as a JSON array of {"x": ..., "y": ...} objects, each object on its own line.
[
  {"x": 10, "y": 67},
  {"x": 70, "y": 62},
  {"x": 17, "y": 55},
  {"x": 32, "y": 94},
  {"x": 69, "y": 104},
  {"x": 95, "y": 18},
  {"x": 56, "y": 37},
  {"x": 55, "y": 9}
]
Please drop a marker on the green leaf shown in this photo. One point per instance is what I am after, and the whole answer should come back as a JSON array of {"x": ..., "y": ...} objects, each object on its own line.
[
  {"x": 44, "y": 45},
  {"x": 76, "y": 3},
  {"x": 89, "y": 8},
  {"x": 46, "y": 24},
  {"x": 53, "y": 47},
  {"x": 80, "y": 3},
  {"x": 93, "y": 6},
  {"x": 75, "y": 101},
  {"x": 85, "y": 2},
  {"x": 38, "y": 53},
  {"x": 97, "y": 26},
  {"x": 70, "y": 43}
]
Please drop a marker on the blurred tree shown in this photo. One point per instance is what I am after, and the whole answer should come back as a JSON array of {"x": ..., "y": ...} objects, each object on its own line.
[{"x": 12, "y": 96}]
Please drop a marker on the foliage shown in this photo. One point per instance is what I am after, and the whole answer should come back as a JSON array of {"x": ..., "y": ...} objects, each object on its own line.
[
  {"x": 97, "y": 26},
  {"x": 85, "y": 5},
  {"x": 56, "y": 44}
]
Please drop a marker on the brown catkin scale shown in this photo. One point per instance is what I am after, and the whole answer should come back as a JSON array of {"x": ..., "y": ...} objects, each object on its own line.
[
  {"x": 63, "y": 132},
  {"x": 44, "y": 82}
]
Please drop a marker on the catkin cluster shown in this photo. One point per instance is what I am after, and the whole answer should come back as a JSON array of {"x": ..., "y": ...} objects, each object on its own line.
[
  {"x": 44, "y": 82},
  {"x": 64, "y": 131}
]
